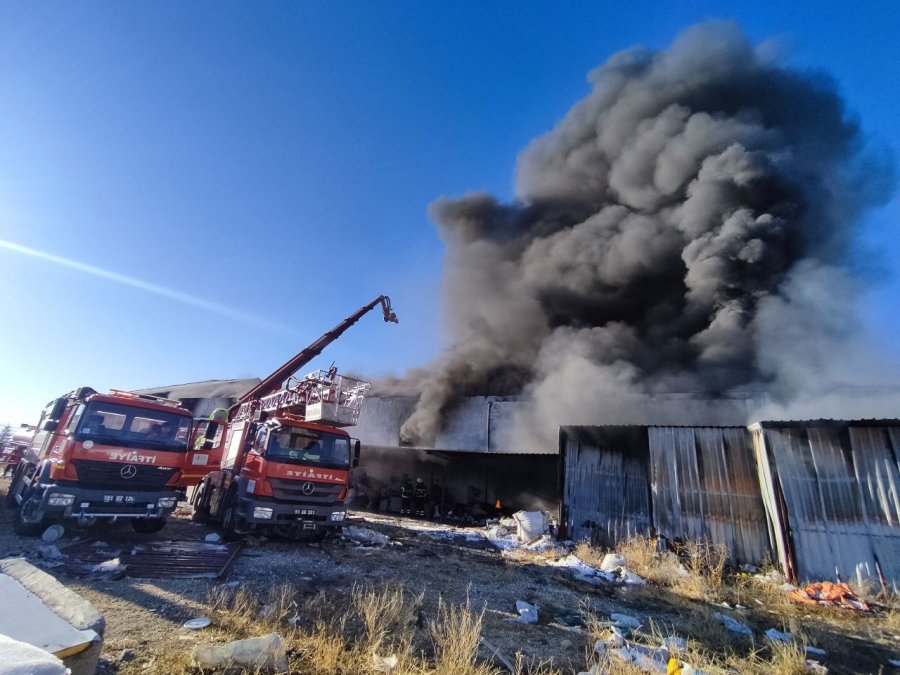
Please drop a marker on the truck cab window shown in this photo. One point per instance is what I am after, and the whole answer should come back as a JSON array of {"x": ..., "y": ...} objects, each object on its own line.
[{"x": 76, "y": 417}]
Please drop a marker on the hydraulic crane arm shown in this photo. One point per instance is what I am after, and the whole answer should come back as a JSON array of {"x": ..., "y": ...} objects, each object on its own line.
[{"x": 273, "y": 382}]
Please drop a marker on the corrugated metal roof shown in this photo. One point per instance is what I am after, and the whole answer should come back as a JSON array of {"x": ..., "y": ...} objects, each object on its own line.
[{"x": 832, "y": 489}]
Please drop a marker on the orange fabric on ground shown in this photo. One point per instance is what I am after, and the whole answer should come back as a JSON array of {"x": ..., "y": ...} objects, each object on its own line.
[{"x": 828, "y": 592}]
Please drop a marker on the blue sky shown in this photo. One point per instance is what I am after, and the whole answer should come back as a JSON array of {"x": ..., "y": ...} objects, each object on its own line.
[{"x": 276, "y": 160}]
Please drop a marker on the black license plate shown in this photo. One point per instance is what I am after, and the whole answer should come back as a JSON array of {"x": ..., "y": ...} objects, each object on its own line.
[{"x": 304, "y": 512}]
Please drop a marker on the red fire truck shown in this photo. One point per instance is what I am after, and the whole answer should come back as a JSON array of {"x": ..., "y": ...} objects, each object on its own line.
[
  {"x": 102, "y": 456},
  {"x": 12, "y": 453},
  {"x": 285, "y": 456}
]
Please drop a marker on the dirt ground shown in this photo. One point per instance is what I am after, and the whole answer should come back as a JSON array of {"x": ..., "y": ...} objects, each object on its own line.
[{"x": 145, "y": 616}]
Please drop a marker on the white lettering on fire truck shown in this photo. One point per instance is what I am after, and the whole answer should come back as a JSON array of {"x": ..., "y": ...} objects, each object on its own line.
[
  {"x": 132, "y": 457},
  {"x": 310, "y": 473}
]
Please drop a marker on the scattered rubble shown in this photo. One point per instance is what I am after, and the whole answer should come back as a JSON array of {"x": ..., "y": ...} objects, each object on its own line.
[
  {"x": 828, "y": 593},
  {"x": 386, "y": 663},
  {"x": 528, "y": 613},
  {"x": 365, "y": 536},
  {"x": 777, "y": 636},
  {"x": 261, "y": 654},
  {"x": 53, "y": 533},
  {"x": 612, "y": 562},
  {"x": 731, "y": 624},
  {"x": 196, "y": 624},
  {"x": 625, "y": 621},
  {"x": 591, "y": 575}
]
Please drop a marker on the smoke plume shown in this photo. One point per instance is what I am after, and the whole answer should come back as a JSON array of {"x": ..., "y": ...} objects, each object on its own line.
[{"x": 681, "y": 229}]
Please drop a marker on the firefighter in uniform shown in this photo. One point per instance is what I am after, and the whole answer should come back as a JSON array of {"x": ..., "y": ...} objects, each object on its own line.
[
  {"x": 420, "y": 495},
  {"x": 406, "y": 494}
]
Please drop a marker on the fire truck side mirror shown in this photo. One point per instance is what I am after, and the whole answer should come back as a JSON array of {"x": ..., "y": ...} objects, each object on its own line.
[
  {"x": 49, "y": 425},
  {"x": 355, "y": 461},
  {"x": 56, "y": 413},
  {"x": 211, "y": 430}
]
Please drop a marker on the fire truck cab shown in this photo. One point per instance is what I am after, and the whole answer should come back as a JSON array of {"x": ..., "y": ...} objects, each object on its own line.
[
  {"x": 286, "y": 462},
  {"x": 102, "y": 456}
]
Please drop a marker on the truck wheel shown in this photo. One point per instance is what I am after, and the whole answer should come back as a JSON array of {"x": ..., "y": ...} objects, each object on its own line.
[
  {"x": 230, "y": 515},
  {"x": 14, "y": 486},
  {"x": 21, "y": 525},
  {"x": 200, "y": 513},
  {"x": 147, "y": 525}
]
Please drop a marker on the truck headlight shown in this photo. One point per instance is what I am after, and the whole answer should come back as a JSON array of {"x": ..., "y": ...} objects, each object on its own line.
[
  {"x": 60, "y": 499},
  {"x": 262, "y": 512},
  {"x": 167, "y": 502},
  {"x": 338, "y": 516}
]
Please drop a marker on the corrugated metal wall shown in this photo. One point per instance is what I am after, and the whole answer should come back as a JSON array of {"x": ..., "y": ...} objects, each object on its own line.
[
  {"x": 606, "y": 483},
  {"x": 705, "y": 487},
  {"x": 681, "y": 482},
  {"x": 832, "y": 491}
]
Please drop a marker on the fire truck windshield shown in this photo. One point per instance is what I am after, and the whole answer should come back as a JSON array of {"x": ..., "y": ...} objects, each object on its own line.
[
  {"x": 306, "y": 446},
  {"x": 131, "y": 427}
]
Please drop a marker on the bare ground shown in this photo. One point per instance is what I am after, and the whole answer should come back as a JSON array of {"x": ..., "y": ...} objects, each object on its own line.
[{"x": 146, "y": 615}]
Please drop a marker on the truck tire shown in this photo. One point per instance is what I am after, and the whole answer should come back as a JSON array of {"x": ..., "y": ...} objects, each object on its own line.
[
  {"x": 24, "y": 527},
  {"x": 200, "y": 505},
  {"x": 230, "y": 515},
  {"x": 147, "y": 525},
  {"x": 14, "y": 486}
]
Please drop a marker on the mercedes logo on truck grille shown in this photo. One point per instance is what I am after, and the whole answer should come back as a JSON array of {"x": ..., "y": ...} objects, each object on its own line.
[
  {"x": 307, "y": 488},
  {"x": 128, "y": 471}
]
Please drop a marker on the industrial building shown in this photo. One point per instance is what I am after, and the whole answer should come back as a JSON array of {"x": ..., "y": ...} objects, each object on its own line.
[{"x": 821, "y": 498}]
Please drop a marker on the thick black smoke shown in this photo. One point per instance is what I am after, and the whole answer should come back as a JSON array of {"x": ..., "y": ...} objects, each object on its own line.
[{"x": 682, "y": 216}]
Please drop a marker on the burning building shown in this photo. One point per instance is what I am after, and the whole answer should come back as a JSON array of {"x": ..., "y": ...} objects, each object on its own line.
[{"x": 686, "y": 227}]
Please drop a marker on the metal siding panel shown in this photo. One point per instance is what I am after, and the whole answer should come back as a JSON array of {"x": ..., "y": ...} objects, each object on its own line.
[
  {"x": 605, "y": 491},
  {"x": 770, "y": 488},
  {"x": 840, "y": 485},
  {"x": 665, "y": 482},
  {"x": 747, "y": 509},
  {"x": 794, "y": 463},
  {"x": 875, "y": 452},
  {"x": 705, "y": 488}
]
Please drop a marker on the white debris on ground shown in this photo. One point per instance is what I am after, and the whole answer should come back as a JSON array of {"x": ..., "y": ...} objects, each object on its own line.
[
  {"x": 646, "y": 658},
  {"x": 625, "y": 621},
  {"x": 591, "y": 575},
  {"x": 612, "y": 562},
  {"x": 363, "y": 535},
  {"x": 775, "y": 635},
  {"x": 264, "y": 653},
  {"x": 531, "y": 525},
  {"x": 385, "y": 663},
  {"x": 528, "y": 613},
  {"x": 113, "y": 565},
  {"x": 731, "y": 624}
]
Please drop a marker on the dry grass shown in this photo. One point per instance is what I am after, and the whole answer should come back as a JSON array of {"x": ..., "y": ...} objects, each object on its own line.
[
  {"x": 456, "y": 634},
  {"x": 695, "y": 570},
  {"x": 355, "y": 635}
]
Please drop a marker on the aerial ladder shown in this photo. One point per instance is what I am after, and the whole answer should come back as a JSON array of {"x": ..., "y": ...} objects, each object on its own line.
[{"x": 285, "y": 457}]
